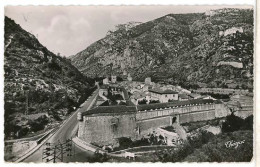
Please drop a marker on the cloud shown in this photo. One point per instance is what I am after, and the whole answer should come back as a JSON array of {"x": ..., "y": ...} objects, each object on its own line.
[
  {"x": 70, "y": 29},
  {"x": 64, "y": 34}
]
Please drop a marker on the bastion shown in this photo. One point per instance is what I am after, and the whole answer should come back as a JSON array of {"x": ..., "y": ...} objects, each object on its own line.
[{"x": 103, "y": 125}]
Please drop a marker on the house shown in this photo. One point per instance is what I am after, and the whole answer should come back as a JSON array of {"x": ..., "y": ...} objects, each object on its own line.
[
  {"x": 134, "y": 90},
  {"x": 129, "y": 78},
  {"x": 138, "y": 96},
  {"x": 103, "y": 91},
  {"x": 194, "y": 96},
  {"x": 148, "y": 80},
  {"x": 163, "y": 95},
  {"x": 185, "y": 91},
  {"x": 207, "y": 97},
  {"x": 105, "y": 81},
  {"x": 113, "y": 79},
  {"x": 183, "y": 97}
]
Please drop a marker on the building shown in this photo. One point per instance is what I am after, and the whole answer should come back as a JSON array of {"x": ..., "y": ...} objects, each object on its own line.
[
  {"x": 138, "y": 96},
  {"x": 105, "y": 81},
  {"x": 113, "y": 79},
  {"x": 163, "y": 95},
  {"x": 129, "y": 78},
  {"x": 207, "y": 97},
  {"x": 103, "y": 91},
  {"x": 194, "y": 96},
  {"x": 183, "y": 97},
  {"x": 148, "y": 80},
  {"x": 185, "y": 91},
  {"x": 104, "y": 125}
]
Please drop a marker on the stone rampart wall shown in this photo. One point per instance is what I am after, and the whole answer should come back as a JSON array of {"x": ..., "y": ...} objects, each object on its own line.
[{"x": 107, "y": 128}]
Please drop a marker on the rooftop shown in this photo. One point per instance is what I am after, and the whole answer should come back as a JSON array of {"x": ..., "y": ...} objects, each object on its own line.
[
  {"x": 194, "y": 95},
  {"x": 111, "y": 109},
  {"x": 183, "y": 96},
  {"x": 173, "y": 104},
  {"x": 159, "y": 91},
  {"x": 154, "y": 106}
]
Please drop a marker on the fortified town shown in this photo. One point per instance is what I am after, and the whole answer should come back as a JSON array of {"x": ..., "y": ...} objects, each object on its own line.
[{"x": 163, "y": 109}]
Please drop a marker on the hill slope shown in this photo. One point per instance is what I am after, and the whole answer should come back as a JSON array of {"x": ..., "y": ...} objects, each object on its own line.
[
  {"x": 204, "y": 49},
  {"x": 37, "y": 81}
]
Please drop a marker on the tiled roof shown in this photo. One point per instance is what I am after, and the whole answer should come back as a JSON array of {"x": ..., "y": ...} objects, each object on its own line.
[
  {"x": 194, "y": 95},
  {"x": 137, "y": 95},
  {"x": 183, "y": 96},
  {"x": 159, "y": 91}
]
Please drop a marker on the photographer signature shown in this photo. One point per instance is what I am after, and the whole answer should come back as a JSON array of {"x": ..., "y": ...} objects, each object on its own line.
[{"x": 233, "y": 143}]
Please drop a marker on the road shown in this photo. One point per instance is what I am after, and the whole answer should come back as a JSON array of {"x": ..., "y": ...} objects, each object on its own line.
[{"x": 65, "y": 132}]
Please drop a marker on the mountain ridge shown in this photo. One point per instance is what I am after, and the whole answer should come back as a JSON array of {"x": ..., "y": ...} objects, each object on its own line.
[
  {"x": 37, "y": 81},
  {"x": 214, "y": 48}
]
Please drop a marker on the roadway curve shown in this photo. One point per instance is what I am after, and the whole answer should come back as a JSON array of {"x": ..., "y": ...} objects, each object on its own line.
[{"x": 66, "y": 131}]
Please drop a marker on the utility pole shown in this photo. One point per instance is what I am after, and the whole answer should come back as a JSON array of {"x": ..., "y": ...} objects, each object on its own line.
[
  {"x": 54, "y": 152},
  {"x": 54, "y": 155},
  {"x": 61, "y": 152},
  {"x": 74, "y": 148}
]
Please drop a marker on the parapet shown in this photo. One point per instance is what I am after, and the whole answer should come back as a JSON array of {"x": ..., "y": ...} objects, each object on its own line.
[{"x": 133, "y": 109}]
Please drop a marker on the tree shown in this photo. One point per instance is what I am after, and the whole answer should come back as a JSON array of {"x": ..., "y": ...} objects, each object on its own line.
[
  {"x": 175, "y": 155},
  {"x": 122, "y": 103},
  {"x": 144, "y": 101},
  {"x": 39, "y": 123},
  {"x": 217, "y": 151},
  {"x": 98, "y": 157},
  {"x": 154, "y": 101},
  {"x": 232, "y": 123},
  {"x": 248, "y": 123},
  {"x": 201, "y": 139}
]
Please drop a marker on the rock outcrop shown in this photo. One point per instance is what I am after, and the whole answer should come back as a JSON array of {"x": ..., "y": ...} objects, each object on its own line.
[
  {"x": 185, "y": 48},
  {"x": 36, "y": 80}
]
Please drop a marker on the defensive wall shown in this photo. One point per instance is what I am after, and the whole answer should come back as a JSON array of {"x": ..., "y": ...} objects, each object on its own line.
[
  {"x": 243, "y": 105},
  {"x": 104, "y": 125},
  {"x": 225, "y": 91}
]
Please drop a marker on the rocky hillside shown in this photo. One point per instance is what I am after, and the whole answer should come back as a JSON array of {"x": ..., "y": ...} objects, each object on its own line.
[
  {"x": 37, "y": 81},
  {"x": 213, "y": 49}
]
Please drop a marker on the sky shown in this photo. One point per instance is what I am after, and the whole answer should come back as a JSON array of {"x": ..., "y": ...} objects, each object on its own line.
[{"x": 70, "y": 29}]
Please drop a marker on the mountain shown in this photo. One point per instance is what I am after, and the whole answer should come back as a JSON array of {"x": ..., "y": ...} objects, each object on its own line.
[
  {"x": 37, "y": 81},
  {"x": 211, "y": 49}
]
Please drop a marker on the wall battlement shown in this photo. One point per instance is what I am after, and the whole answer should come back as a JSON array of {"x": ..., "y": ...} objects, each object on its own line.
[{"x": 104, "y": 128}]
